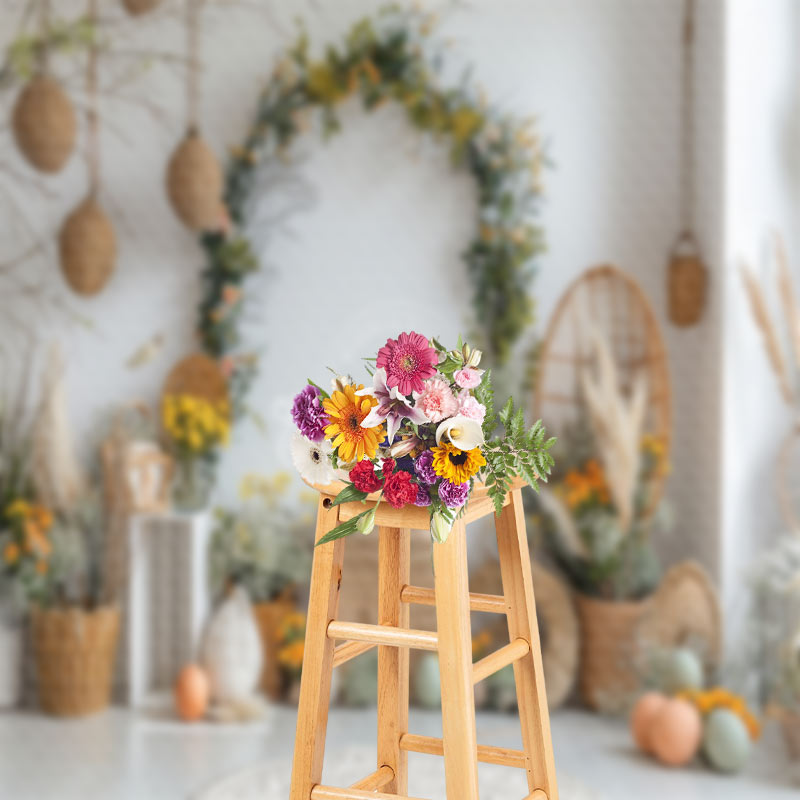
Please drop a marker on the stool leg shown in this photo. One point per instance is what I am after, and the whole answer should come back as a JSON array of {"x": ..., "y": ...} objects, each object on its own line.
[
  {"x": 315, "y": 685},
  {"x": 515, "y": 567},
  {"x": 394, "y": 572},
  {"x": 455, "y": 665}
]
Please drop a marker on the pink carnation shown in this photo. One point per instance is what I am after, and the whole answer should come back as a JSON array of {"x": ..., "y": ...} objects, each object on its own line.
[
  {"x": 468, "y": 378},
  {"x": 437, "y": 400},
  {"x": 469, "y": 407}
]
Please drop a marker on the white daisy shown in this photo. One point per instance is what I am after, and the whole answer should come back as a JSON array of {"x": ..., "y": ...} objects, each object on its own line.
[{"x": 312, "y": 459}]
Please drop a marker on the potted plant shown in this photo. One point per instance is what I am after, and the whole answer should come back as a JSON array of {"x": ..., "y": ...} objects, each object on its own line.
[
  {"x": 599, "y": 517},
  {"x": 25, "y": 544},
  {"x": 265, "y": 546},
  {"x": 74, "y": 625}
]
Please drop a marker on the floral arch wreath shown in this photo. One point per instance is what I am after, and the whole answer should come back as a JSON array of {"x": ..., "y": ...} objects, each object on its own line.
[{"x": 390, "y": 57}]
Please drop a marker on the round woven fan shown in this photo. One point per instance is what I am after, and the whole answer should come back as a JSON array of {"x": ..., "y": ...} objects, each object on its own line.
[
  {"x": 611, "y": 302},
  {"x": 198, "y": 375},
  {"x": 685, "y": 611}
]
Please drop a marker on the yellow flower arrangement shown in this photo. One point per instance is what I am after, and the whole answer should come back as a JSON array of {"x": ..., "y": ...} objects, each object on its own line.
[
  {"x": 194, "y": 423},
  {"x": 290, "y": 656},
  {"x": 707, "y": 700},
  {"x": 346, "y": 411},
  {"x": 292, "y": 636},
  {"x": 455, "y": 465},
  {"x": 656, "y": 449},
  {"x": 480, "y": 644}
]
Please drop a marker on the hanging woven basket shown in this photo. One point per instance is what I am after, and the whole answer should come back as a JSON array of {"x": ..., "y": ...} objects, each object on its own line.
[
  {"x": 74, "y": 652},
  {"x": 194, "y": 184},
  {"x": 44, "y": 124},
  {"x": 137, "y": 7},
  {"x": 87, "y": 248}
]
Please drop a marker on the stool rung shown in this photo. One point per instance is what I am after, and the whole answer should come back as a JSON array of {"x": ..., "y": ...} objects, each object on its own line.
[
  {"x": 375, "y": 781},
  {"x": 421, "y": 596},
  {"x": 383, "y": 634},
  {"x": 539, "y": 794},
  {"x": 343, "y": 653},
  {"x": 432, "y": 746},
  {"x": 333, "y": 793},
  {"x": 494, "y": 662}
]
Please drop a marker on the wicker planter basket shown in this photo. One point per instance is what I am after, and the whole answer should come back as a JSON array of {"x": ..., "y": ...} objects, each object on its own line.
[
  {"x": 609, "y": 650},
  {"x": 74, "y": 651},
  {"x": 268, "y": 618},
  {"x": 791, "y": 734}
]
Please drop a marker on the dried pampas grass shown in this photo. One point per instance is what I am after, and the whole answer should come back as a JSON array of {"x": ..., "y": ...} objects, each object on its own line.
[
  {"x": 617, "y": 424},
  {"x": 57, "y": 478},
  {"x": 758, "y": 305}
]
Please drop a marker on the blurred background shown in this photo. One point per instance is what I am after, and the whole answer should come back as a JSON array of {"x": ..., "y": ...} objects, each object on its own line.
[{"x": 206, "y": 202}]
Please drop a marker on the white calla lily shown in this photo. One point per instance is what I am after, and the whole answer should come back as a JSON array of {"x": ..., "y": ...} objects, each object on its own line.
[{"x": 463, "y": 432}]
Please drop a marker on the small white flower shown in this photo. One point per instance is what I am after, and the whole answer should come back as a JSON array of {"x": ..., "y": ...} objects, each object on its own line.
[
  {"x": 464, "y": 433},
  {"x": 312, "y": 460}
]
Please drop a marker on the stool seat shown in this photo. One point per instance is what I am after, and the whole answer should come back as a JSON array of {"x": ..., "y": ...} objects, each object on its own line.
[{"x": 452, "y": 640}]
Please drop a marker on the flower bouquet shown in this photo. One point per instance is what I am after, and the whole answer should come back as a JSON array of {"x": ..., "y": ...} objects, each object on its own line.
[
  {"x": 196, "y": 427},
  {"x": 421, "y": 434}
]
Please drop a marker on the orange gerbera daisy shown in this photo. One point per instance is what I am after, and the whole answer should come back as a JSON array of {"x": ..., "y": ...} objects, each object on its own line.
[{"x": 346, "y": 411}]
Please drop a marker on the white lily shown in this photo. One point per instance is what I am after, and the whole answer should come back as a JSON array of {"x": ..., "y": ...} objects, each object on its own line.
[
  {"x": 440, "y": 528},
  {"x": 463, "y": 432}
]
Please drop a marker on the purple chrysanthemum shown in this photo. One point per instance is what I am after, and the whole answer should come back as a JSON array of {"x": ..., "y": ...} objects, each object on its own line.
[
  {"x": 423, "y": 466},
  {"x": 308, "y": 414},
  {"x": 423, "y": 498},
  {"x": 453, "y": 495}
]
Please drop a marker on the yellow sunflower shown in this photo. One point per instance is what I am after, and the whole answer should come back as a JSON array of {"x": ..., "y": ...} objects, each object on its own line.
[
  {"x": 457, "y": 466},
  {"x": 346, "y": 411}
]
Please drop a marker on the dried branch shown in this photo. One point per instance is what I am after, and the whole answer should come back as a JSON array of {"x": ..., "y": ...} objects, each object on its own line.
[{"x": 758, "y": 306}]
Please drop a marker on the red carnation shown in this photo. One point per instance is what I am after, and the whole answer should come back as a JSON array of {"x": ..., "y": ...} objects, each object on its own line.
[
  {"x": 388, "y": 467},
  {"x": 399, "y": 490},
  {"x": 364, "y": 478}
]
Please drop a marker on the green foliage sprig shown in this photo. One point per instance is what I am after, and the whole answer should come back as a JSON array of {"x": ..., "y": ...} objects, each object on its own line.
[{"x": 392, "y": 57}]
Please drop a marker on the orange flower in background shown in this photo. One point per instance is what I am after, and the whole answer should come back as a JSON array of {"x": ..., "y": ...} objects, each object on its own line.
[
  {"x": 347, "y": 411},
  {"x": 11, "y": 553},
  {"x": 41, "y": 567},
  {"x": 586, "y": 485}
]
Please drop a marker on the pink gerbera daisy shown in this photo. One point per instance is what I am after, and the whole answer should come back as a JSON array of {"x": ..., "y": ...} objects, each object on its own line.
[{"x": 408, "y": 361}]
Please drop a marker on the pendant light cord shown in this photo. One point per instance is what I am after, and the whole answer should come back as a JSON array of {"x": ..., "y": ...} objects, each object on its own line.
[
  {"x": 193, "y": 64},
  {"x": 92, "y": 120},
  {"x": 687, "y": 169}
]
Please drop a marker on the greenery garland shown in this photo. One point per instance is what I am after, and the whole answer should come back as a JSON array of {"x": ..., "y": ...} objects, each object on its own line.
[{"x": 391, "y": 57}]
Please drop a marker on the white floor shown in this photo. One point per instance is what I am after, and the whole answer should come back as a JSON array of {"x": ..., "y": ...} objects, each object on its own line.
[{"x": 122, "y": 756}]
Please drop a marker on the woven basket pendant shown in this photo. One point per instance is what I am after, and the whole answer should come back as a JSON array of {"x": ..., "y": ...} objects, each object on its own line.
[
  {"x": 687, "y": 280},
  {"x": 194, "y": 183},
  {"x": 87, "y": 248},
  {"x": 136, "y": 7},
  {"x": 44, "y": 124}
]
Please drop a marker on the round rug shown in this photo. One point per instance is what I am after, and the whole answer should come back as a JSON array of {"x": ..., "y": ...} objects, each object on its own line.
[{"x": 270, "y": 780}]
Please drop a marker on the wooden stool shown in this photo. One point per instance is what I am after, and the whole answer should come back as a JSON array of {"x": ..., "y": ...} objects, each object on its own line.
[{"x": 452, "y": 641}]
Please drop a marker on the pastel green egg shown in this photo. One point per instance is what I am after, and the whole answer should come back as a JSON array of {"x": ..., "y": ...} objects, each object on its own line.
[
  {"x": 680, "y": 669},
  {"x": 726, "y": 741},
  {"x": 427, "y": 687}
]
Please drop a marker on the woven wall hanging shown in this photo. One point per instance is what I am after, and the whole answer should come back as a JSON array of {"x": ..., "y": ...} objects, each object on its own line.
[
  {"x": 194, "y": 176},
  {"x": 687, "y": 275},
  {"x": 87, "y": 242},
  {"x": 43, "y": 119}
]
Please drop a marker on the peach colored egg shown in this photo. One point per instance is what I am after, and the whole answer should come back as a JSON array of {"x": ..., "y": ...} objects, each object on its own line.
[
  {"x": 676, "y": 732},
  {"x": 645, "y": 710},
  {"x": 191, "y": 693}
]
